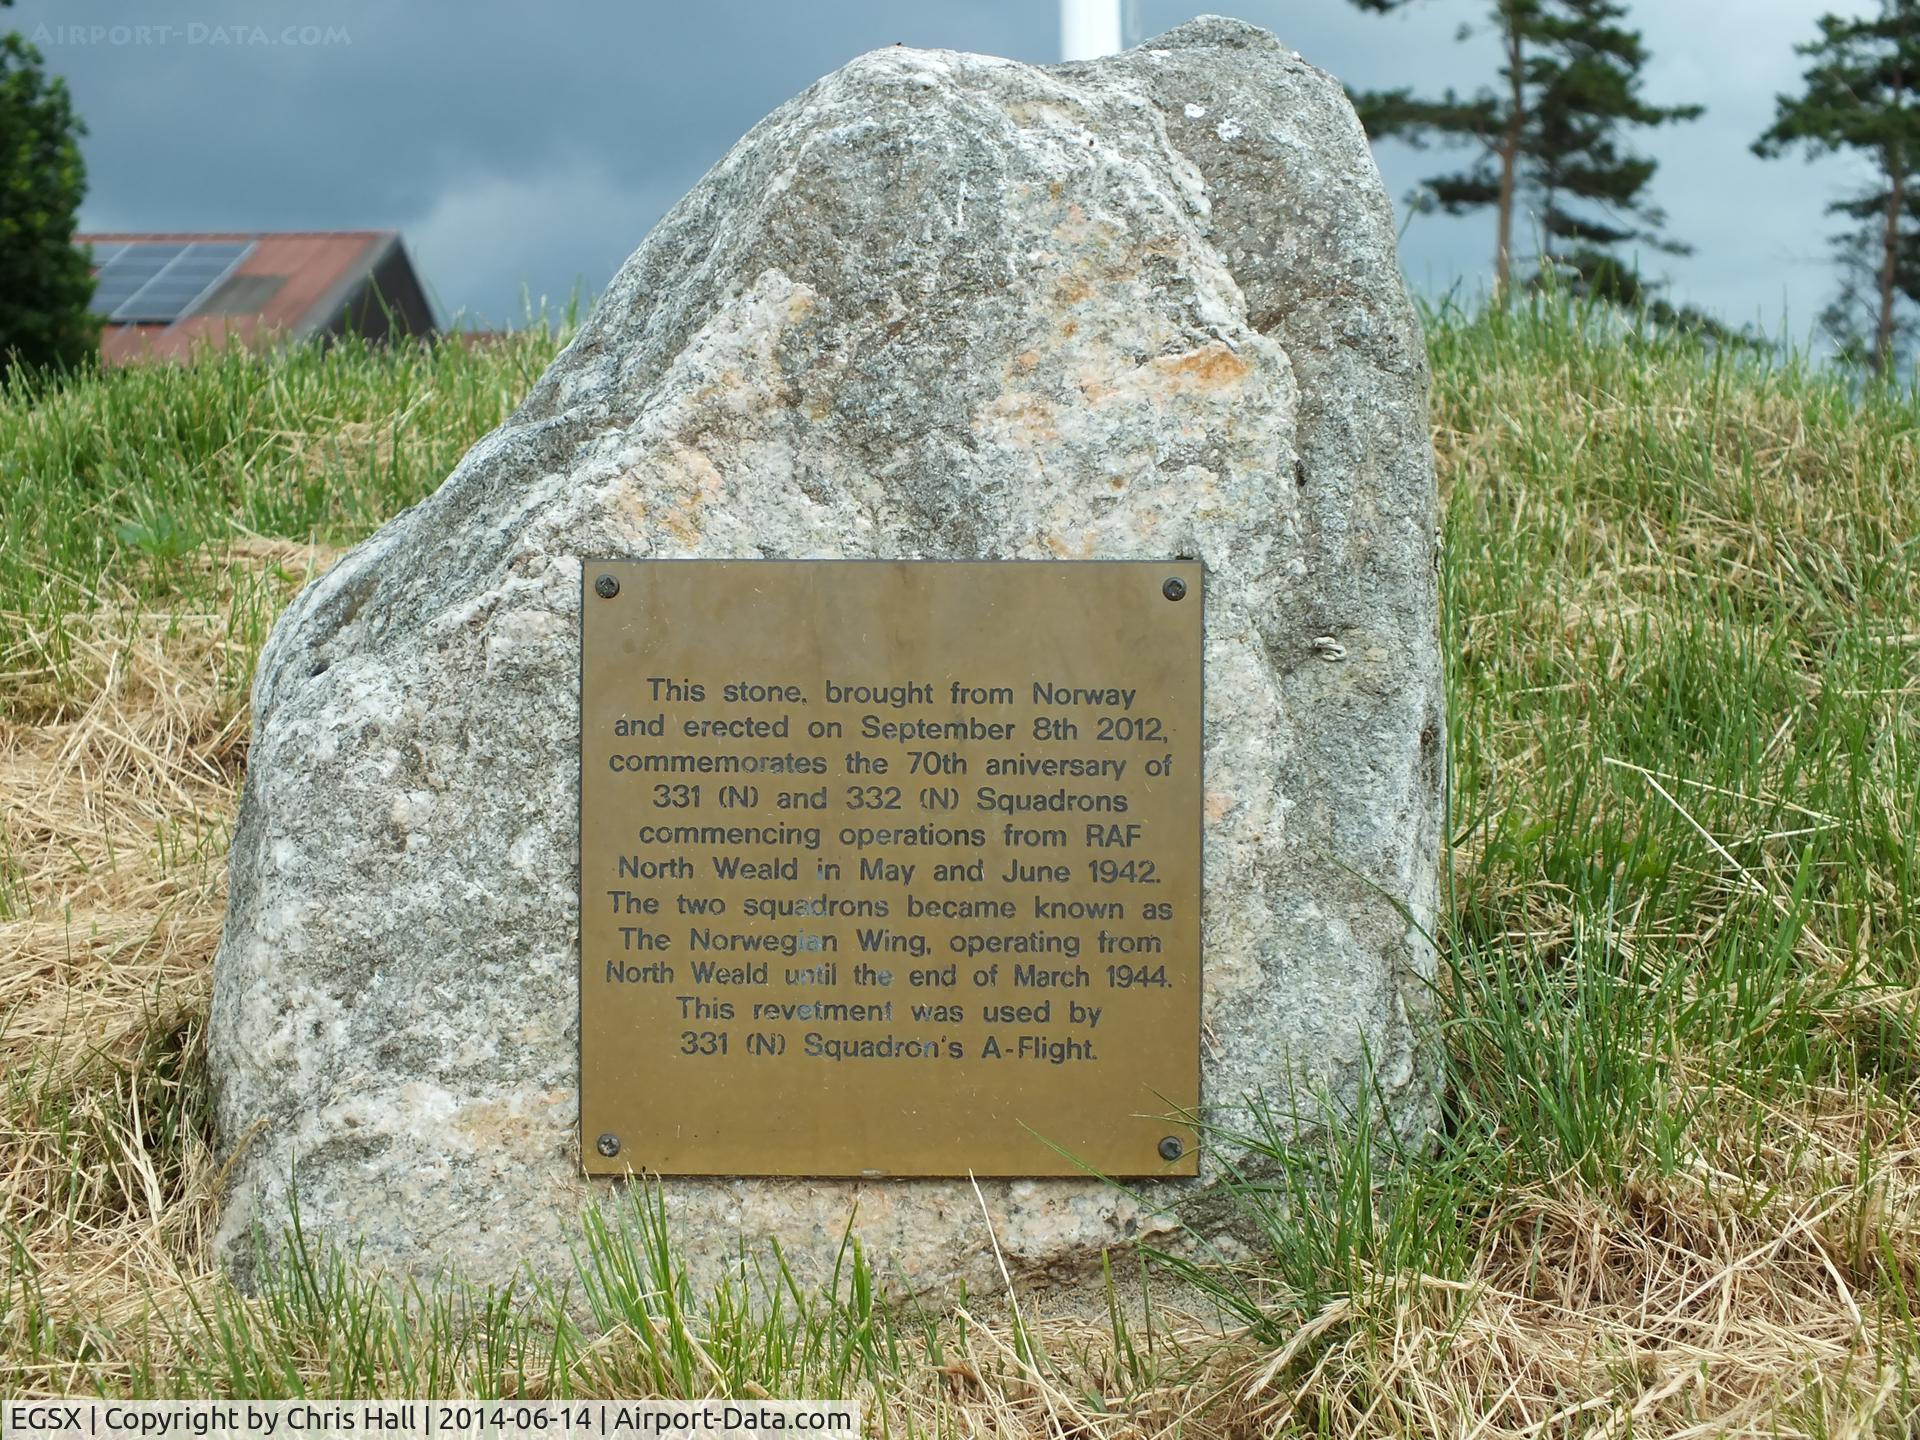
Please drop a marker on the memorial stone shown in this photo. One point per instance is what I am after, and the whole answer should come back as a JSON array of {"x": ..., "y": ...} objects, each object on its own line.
[{"x": 590, "y": 801}]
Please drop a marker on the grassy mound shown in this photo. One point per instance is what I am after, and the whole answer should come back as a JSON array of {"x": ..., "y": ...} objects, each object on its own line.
[{"x": 1678, "y": 1187}]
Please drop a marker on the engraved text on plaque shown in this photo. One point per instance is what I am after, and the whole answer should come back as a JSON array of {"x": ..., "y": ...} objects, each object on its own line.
[{"x": 890, "y": 868}]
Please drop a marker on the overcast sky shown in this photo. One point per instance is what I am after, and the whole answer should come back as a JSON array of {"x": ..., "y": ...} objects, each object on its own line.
[{"x": 527, "y": 149}]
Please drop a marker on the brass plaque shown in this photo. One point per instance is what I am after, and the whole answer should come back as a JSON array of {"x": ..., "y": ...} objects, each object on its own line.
[{"x": 890, "y": 868}]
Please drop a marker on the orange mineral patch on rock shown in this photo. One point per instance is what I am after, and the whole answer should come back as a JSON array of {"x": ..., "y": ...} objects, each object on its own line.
[
  {"x": 686, "y": 520},
  {"x": 1213, "y": 364},
  {"x": 1072, "y": 289},
  {"x": 1095, "y": 387},
  {"x": 488, "y": 1122},
  {"x": 683, "y": 524},
  {"x": 1078, "y": 549},
  {"x": 1025, "y": 419}
]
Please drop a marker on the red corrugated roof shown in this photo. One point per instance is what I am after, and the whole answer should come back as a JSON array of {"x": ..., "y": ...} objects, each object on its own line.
[{"x": 316, "y": 265}]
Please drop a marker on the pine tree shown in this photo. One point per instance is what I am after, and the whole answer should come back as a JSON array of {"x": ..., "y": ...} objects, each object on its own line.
[
  {"x": 1863, "y": 94},
  {"x": 45, "y": 283},
  {"x": 1550, "y": 133}
]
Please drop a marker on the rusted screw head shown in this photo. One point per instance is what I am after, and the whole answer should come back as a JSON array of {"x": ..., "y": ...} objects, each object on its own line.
[
  {"x": 606, "y": 587},
  {"x": 1171, "y": 1148},
  {"x": 1175, "y": 588},
  {"x": 608, "y": 1145}
]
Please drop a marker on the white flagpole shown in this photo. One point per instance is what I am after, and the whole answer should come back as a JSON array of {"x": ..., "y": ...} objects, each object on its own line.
[{"x": 1089, "y": 29}]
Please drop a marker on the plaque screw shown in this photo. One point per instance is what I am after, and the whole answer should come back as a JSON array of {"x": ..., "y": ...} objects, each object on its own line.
[
  {"x": 609, "y": 1144},
  {"x": 1174, "y": 589},
  {"x": 1170, "y": 1148},
  {"x": 606, "y": 587}
]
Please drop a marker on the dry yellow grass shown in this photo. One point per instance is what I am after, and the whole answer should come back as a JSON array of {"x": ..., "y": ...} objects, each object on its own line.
[{"x": 118, "y": 808}]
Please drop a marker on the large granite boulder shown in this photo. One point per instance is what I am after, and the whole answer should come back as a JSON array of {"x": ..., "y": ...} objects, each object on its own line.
[{"x": 938, "y": 305}]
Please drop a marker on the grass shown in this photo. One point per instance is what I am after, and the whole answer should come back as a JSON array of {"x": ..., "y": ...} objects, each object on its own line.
[
  {"x": 143, "y": 488},
  {"x": 1677, "y": 1186}
]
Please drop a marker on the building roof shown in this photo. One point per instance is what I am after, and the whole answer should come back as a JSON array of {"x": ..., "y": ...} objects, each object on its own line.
[{"x": 160, "y": 294}]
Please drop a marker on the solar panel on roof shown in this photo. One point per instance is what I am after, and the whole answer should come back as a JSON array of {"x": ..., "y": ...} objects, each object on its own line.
[
  {"x": 158, "y": 301},
  {"x": 124, "y": 271},
  {"x": 158, "y": 282},
  {"x": 141, "y": 261},
  {"x": 208, "y": 257}
]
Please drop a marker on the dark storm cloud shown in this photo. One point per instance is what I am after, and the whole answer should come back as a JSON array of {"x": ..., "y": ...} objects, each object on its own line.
[
  {"x": 508, "y": 142},
  {"x": 518, "y": 145}
]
